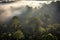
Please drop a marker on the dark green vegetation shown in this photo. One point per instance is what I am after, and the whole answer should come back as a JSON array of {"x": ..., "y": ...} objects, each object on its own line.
[{"x": 33, "y": 29}]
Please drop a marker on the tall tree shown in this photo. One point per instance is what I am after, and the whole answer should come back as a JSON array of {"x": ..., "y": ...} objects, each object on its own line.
[{"x": 16, "y": 23}]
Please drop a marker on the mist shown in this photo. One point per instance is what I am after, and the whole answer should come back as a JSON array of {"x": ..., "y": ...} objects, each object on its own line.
[
  {"x": 31, "y": 9},
  {"x": 14, "y": 9}
]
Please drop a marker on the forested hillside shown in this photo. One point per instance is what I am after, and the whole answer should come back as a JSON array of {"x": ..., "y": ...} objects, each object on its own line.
[{"x": 27, "y": 23}]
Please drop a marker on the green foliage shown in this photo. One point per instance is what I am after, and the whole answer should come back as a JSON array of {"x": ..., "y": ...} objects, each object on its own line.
[
  {"x": 16, "y": 23},
  {"x": 49, "y": 37},
  {"x": 33, "y": 29},
  {"x": 42, "y": 30},
  {"x": 3, "y": 35},
  {"x": 18, "y": 35},
  {"x": 9, "y": 34},
  {"x": 53, "y": 27},
  {"x": 15, "y": 20}
]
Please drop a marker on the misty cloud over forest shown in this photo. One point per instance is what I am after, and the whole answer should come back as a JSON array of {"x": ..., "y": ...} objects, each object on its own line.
[
  {"x": 30, "y": 20},
  {"x": 25, "y": 9},
  {"x": 9, "y": 10}
]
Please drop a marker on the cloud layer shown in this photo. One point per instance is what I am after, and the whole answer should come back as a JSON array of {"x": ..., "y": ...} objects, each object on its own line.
[
  {"x": 26, "y": 9},
  {"x": 16, "y": 8}
]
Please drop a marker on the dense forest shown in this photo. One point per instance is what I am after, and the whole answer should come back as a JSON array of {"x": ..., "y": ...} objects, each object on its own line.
[
  {"x": 32, "y": 30},
  {"x": 36, "y": 26}
]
